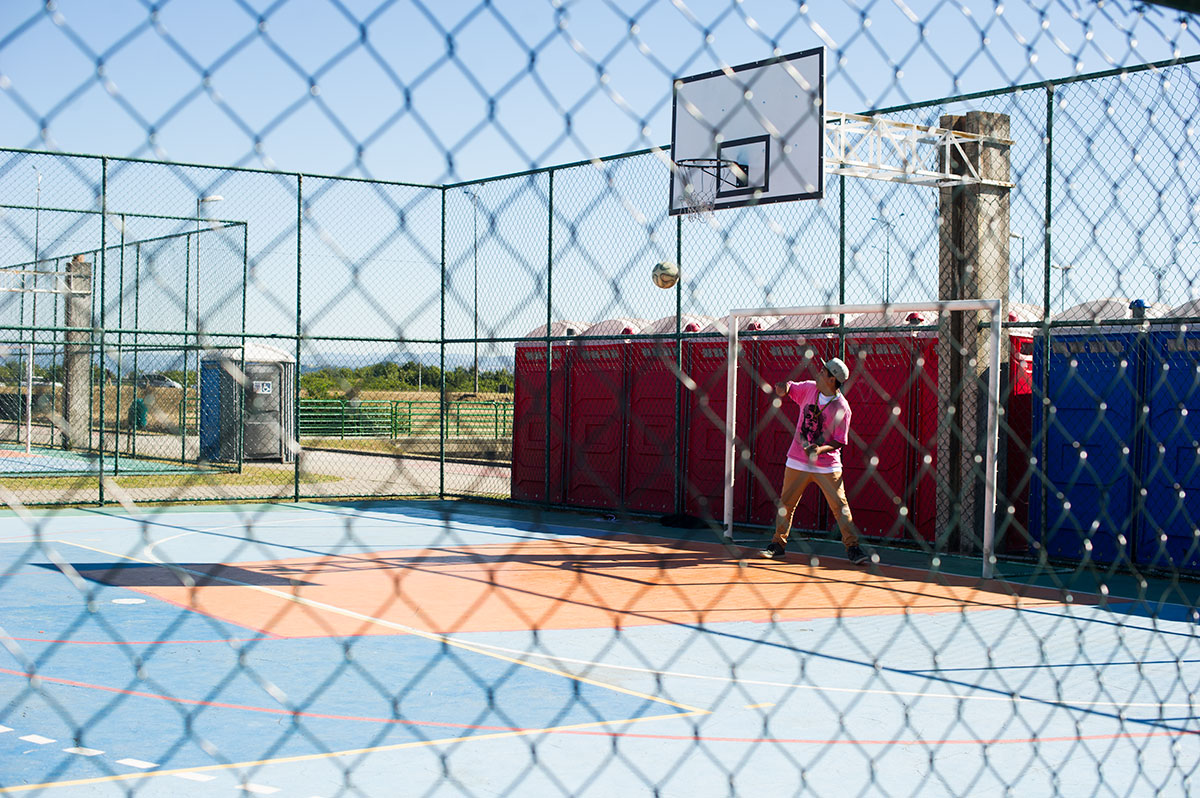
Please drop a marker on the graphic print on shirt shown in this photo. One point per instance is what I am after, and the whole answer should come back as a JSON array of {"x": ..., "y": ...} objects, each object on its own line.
[{"x": 812, "y": 424}]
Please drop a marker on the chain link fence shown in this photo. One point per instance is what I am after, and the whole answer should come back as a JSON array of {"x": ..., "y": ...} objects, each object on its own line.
[{"x": 244, "y": 339}]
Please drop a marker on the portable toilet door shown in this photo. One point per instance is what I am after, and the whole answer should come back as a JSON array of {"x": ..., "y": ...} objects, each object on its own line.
[
  {"x": 1017, "y": 428},
  {"x": 1095, "y": 383},
  {"x": 1171, "y": 466},
  {"x": 890, "y": 465},
  {"x": 654, "y": 448},
  {"x": 597, "y": 402},
  {"x": 706, "y": 367},
  {"x": 538, "y": 453},
  {"x": 220, "y": 414},
  {"x": 777, "y": 357}
]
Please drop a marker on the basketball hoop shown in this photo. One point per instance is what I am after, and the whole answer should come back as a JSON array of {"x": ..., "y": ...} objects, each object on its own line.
[{"x": 700, "y": 179}]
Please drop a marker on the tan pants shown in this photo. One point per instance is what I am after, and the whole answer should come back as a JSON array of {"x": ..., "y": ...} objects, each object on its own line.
[{"x": 794, "y": 483}]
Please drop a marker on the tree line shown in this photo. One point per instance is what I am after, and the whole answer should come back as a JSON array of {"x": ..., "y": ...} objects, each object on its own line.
[
  {"x": 323, "y": 383},
  {"x": 335, "y": 381}
]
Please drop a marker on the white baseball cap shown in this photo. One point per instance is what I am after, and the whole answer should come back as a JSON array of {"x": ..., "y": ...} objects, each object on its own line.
[{"x": 837, "y": 368}]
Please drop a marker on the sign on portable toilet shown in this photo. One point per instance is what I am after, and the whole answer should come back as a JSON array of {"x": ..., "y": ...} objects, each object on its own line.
[
  {"x": 890, "y": 465},
  {"x": 538, "y": 453},
  {"x": 597, "y": 401},
  {"x": 706, "y": 367},
  {"x": 1017, "y": 427},
  {"x": 654, "y": 446},
  {"x": 1171, "y": 465},
  {"x": 1084, "y": 504},
  {"x": 784, "y": 354}
]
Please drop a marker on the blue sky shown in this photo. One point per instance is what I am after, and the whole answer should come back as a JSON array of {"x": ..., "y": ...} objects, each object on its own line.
[{"x": 438, "y": 92}]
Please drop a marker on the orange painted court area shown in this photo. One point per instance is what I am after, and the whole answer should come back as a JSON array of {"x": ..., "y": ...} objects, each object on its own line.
[{"x": 569, "y": 583}]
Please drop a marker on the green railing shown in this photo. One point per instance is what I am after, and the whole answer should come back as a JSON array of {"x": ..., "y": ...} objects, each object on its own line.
[{"x": 395, "y": 418}]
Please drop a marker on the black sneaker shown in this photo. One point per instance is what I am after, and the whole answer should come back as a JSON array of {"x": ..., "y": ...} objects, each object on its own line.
[
  {"x": 773, "y": 551},
  {"x": 856, "y": 555}
]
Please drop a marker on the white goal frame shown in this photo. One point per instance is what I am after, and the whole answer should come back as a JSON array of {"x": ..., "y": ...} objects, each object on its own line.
[{"x": 991, "y": 306}]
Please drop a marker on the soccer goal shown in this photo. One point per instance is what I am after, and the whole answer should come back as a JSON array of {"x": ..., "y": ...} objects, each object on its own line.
[{"x": 924, "y": 392}]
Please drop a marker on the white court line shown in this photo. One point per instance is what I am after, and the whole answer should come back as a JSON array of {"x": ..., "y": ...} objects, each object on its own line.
[
  {"x": 83, "y": 751},
  {"x": 194, "y": 776},
  {"x": 137, "y": 763},
  {"x": 37, "y": 739}
]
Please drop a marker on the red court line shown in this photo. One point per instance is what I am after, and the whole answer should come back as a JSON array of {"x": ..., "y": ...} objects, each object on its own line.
[
  {"x": 248, "y": 708},
  {"x": 610, "y": 734}
]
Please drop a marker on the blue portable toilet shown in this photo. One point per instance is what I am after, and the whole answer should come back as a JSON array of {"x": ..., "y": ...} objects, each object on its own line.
[
  {"x": 1170, "y": 534},
  {"x": 1084, "y": 503}
]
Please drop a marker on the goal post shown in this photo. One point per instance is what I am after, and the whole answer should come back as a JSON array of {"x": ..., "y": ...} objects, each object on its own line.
[{"x": 897, "y": 315}]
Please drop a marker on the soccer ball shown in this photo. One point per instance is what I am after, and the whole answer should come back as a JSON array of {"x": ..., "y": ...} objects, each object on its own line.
[{"x": 665, "y": 274}]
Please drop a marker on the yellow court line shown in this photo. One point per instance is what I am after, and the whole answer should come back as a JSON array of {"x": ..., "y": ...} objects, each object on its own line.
[
  {"x": 397, "y": 626},
  {"x": 759, "y": 706},
  {"x": 334, "y": 754}
]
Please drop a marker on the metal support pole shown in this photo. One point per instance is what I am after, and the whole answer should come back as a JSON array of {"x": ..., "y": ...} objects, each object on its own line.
[
  {"x": 730, "y": 420},
  {"x": 299, "y": 334},
  {"x": 549, "y": 328},
  {"x": 679, "y": 465},
  {"x": 29, "y": 399},
  {"x": 442, "y": 363},
  {"x": 103, "y": 259},
  {"x": 993, "y": 438}
]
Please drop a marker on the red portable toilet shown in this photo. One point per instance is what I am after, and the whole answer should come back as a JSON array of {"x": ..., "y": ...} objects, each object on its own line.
[
  {"x": 706, "y": 367},
  {"x": 779, "y": 357},
  {"x": 892, "y": 390},
  {"x": 530, "y": 434},
  {"x": 597, "y": 402},
  {"x": 1018, "y": 423},
  {"x": 653, "y": 435}
]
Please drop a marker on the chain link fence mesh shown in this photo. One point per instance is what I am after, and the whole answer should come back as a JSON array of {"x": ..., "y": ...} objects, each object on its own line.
[{"x": 218, "y": 382}]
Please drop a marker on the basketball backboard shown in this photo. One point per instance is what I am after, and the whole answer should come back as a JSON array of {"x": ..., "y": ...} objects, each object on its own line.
[{"x": 756, "y": 131}]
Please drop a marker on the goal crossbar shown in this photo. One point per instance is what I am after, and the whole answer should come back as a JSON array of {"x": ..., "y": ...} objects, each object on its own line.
[{"x": 991, "y": 306}]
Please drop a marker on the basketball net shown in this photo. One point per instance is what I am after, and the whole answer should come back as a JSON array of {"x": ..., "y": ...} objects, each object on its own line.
[{"x": 700, "y": 179}]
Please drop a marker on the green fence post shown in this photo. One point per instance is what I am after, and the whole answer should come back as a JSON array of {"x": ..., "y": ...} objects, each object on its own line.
[
  {"x": 299, "y": 323},
  {"x": 549, "y": 323},
  {"x": 678, "y": 398},
  {"x": 102, "y": 259},
  {"x": 1044, "y": 377},
  {"x": 442, "y": 366}
]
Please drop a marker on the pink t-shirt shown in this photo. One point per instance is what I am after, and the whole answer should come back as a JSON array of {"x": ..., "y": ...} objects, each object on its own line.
[{"x": 818, "y": 425}]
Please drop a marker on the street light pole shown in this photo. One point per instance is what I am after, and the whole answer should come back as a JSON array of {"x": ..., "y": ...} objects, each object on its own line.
[
  {"x": 1021, "y": 265},
  {"x": 37, "y": 213},
  {"x": 37, "y": 257},
  {"x": 1062, "y": 292},
  {"x": 887, "y": 256},
  {"x": 200, "y": 201}
]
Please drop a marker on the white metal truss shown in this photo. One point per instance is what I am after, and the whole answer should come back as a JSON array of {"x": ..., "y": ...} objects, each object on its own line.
[
  {"x": 900, "y": 152},
  {"x": 34, "y": 281}
]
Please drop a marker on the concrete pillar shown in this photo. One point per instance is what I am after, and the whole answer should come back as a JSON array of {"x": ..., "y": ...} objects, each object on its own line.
[
  {"x": 77, "y": 358},
  {"x": 973, "y": 263}
]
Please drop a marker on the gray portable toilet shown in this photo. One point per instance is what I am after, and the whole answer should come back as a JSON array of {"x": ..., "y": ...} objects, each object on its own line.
[{"x": 254, "y": 403}]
